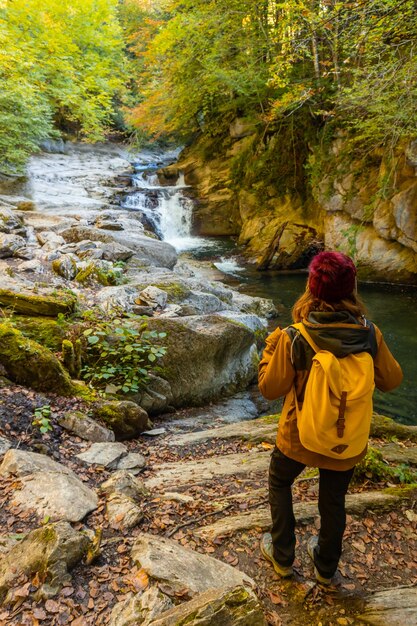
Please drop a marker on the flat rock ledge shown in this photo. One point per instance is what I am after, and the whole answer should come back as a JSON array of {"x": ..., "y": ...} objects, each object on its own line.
[
  {"x": 205, "y": 470},
  {"x": 48, "y": 487},
  {"x": 393, "y": 607},
  {"x": 265, "y": 429},
  {"x": 167, "y": 561},
  {"x": 233, "y": 607},
  {"x": 304, "y": 512},
  {"x": 261, "y": 429}
]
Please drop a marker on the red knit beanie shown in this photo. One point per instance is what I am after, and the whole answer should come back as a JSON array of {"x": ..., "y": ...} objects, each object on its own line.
[{"x": 331, "y": 276}]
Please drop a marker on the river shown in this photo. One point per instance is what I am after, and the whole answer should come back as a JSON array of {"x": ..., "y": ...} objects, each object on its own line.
[{"x": 168, "y": 210}]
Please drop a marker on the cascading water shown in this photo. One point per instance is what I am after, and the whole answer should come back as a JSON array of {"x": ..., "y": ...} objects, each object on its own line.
[{"x": 165, "y": 209}]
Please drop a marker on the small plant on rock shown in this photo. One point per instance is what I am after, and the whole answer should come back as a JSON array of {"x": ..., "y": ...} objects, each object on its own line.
[
  {"x": 120, "y": 353},
  {"x": 42, "y": 419},
  {"x": 373, "y": 467}
]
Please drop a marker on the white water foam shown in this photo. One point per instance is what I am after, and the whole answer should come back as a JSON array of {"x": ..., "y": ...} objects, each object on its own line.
[{"x": 228, "y": 266}]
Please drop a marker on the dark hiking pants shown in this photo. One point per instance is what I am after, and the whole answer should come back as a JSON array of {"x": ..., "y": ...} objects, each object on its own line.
[{"x": 332, "y": 490}]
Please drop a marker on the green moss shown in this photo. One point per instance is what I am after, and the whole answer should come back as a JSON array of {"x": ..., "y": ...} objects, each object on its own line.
[
  {"x": 28, "y": 363},
  {"x": 125, "y": 418},
  {"x": 81, "y": 390},
  {"x": 405, "y": 491},
  {"x": 44, "y": 330},
  {"x": 176, "y": 291},
  {"x": 271, "y": 419},
  {"x": 49, "y": 305},
  {"x": 71, "y": 357},
  {"x": 93, "y": 273}
]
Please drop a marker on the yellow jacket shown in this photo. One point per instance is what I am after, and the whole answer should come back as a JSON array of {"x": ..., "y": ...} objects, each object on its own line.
[{"x": 278, "y": 375}]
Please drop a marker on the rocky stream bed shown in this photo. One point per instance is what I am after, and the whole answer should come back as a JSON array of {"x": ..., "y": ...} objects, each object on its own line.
[{"x": 137, "y": 509}]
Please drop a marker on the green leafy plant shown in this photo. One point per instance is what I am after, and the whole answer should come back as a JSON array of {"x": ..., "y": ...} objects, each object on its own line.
[
  {"x": 373, "y": 467},
  {"x": 120, "y": 353},
  {"x": 42, "y": 419}
]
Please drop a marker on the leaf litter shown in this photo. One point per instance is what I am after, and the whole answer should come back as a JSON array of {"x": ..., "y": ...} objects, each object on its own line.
[{"x": 378, "y": 547}]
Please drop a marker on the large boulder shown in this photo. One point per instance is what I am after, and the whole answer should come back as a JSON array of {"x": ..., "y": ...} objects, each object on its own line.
[
  {"x": 50, "y": 551},
  {"x": 207, "y": 357},
  {"x": 44, "y": 330},
  {"x": 28, "y": 363},
  {"x": 158, "y": 253},
  {"x": 377, "y": 258}
]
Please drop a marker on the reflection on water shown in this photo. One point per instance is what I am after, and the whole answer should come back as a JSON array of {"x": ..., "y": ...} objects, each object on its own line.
[{"x": 393, "y": 309}]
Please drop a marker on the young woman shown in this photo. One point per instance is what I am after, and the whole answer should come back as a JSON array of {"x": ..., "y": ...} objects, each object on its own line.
[{"x": 334, "y": 318}]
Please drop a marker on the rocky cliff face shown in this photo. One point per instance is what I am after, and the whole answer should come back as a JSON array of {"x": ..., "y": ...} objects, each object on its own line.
[{"x": 367, "y": 209}]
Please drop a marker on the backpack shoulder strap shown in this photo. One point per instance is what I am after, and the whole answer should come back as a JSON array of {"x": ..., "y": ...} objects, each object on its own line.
[{"x": 302, "y": 330}]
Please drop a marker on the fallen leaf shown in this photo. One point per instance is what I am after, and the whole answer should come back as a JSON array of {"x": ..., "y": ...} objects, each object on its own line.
[{"x": 275, "y": 598}]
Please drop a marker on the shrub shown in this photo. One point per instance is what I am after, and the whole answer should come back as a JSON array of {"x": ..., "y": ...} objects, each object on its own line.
[{"x": 120, "y": 353}]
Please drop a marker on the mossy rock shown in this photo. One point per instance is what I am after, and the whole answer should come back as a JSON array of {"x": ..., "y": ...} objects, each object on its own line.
[
  {"x": 46, "y": 331},
  {"x": 50, "y": 551},
  {"x": 126, "y": 419},
  {"x": 96, "y": 272},
  {"x": 28, "y": 363},
  {"x": 177, "y": 292},
  {"x": 48, "y": 305},
  {"x": 386, "y": 428}
]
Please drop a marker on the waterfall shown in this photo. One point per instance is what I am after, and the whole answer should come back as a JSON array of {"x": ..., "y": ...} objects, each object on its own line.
[{"x": 166, "y": 209}]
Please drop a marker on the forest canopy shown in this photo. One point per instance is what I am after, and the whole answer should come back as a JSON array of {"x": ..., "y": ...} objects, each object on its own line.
[
  {"x": 62, "y": 66},
  {"x": 174, "y": 68},
  {"x": 352, "y": 63}
]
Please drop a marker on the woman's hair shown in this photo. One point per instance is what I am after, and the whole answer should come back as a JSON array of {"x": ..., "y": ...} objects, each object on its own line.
[{"x": 308, "y": 303}]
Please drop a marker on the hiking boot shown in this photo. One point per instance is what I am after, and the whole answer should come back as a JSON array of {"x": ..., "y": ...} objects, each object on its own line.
[
  {"x": 267, "y": 551},
  {"x": 311, "y": 544}
]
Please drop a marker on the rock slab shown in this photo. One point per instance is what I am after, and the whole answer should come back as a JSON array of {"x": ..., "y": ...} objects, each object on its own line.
[
  {"x": 216, "y": 607},
  {"x": 85, "y": 427},
  {"x": 165, "y": 560},
  {"x": 106, "y": 454},
  {"x": 392, "y": 607},
  {"x": 140, "y": 609},
  {"x": 48, "y": 487}
]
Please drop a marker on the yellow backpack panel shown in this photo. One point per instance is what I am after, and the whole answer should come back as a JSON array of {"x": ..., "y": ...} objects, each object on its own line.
[{"x": 335, "y": 417}]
